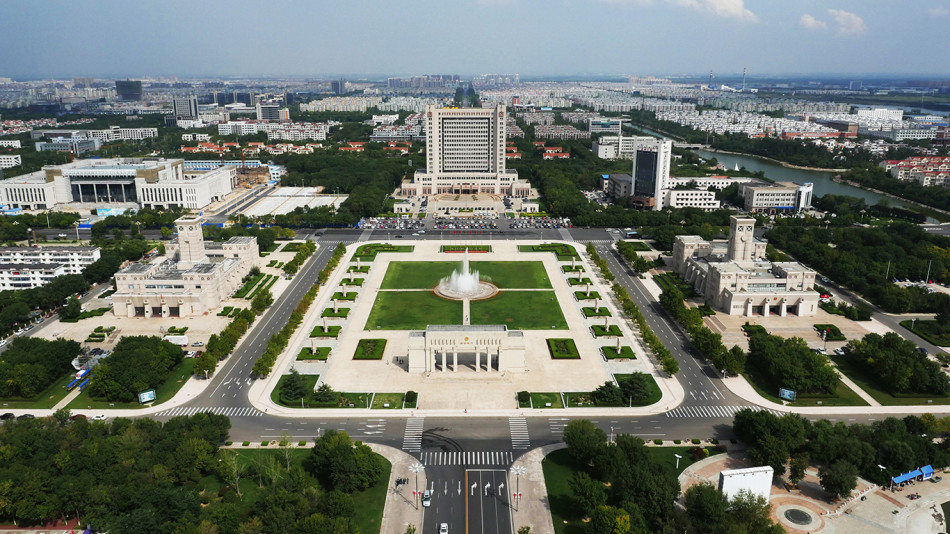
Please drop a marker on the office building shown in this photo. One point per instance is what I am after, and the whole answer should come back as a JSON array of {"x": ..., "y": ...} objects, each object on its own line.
[
  {"x": 141, "y": 182},
  {"x": 272, "y": 113},
  {"x": 129, "y": 90},
  {"x": 114, "y": 133},
  {"x": 771, "y": 198},
  {"x": 191, "y": 280},
  {"x": 185, "y": 107},
  {"x": 465, "y": 154},
  {"x": 10, "y": 160},
  {"x": 735, "y": 277},
  {"x": 19, "y": 276},
  {"x": 691, "y": 198},
  {"x": 10, "y": 143},
  {"x": 338, "y": 87},
  {"x": 76, "y": 146},
  {"x": 651, "y": 171},
  {"x": 73, "y": 259},
  {"x": 603, "y": 125}
]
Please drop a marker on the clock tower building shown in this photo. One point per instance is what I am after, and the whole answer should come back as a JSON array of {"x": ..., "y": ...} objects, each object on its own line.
[{"x": 741, "y": 239}]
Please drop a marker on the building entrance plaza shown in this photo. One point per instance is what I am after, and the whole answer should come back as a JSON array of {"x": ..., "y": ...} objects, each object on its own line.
[{"x": 465, "y": 353}]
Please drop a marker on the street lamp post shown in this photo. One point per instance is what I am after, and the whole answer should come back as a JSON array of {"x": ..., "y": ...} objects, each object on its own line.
[
  {"x": 416, "y": 468},
  {"x": 677, "y": 460},
  {"x": 518, "y": 470}
]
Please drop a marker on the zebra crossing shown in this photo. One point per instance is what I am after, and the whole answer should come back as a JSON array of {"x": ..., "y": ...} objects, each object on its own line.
[
  {"x": 412, "y": 439},
  {"x": 557, "y": 424},
  {"x": 496, "y": 458},
  {"x": 518, "y": 426},
  {"x": 242, "y": 411},
  {"x": 599, "y": 241},
  {"x": 714, "y": 411}
]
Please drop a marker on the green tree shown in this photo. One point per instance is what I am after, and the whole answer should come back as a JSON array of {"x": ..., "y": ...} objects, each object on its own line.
[
  {"x": 797, "y": 467},
  {"x": 584, "y": 440},
  {"x": 705, "y": 505},
  {"x": 71, "y": 310},
  {"x": 588, "y": 493},
  {"x": 609, "y": 520},
  {"x": 261, "y": 301},
  {"x": 294, "y": 387},
  {"x": 839, "y": 479}
]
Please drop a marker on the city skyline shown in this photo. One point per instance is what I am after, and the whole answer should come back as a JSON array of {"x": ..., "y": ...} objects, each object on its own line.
[{"x": 597, "y": 37}]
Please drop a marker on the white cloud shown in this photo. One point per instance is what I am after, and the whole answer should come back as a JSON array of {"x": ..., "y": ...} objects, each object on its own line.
[
  {"x": 812, "y": 23},
  {"x": 938, "y": 11},
  {"x": 734, "y": 9},
  {"x": 848, "y": 22}
]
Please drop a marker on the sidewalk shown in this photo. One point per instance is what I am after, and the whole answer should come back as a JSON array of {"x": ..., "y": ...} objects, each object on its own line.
[
  {"x": 534, "y": 510},
  {"x": 400, "y": 509}
]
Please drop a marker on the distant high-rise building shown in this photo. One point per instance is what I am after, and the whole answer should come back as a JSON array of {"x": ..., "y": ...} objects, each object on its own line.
[
  {"x": 185, "y": 107},
  {"x": 272, "y": 112},
  {"x": 129, "y": 90},
  {"x": 338, "y": 86},
  {"x": 651, "y": 171}
]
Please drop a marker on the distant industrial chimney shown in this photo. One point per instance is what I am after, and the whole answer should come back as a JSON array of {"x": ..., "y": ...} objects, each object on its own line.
[{"x": 743, "y": 79}]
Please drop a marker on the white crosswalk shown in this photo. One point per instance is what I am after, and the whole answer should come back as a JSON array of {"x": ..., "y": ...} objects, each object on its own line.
[
  {"x": 706, "y": 412},
  {"x": 412, "y": 439},
  {"x": 467, "y": 458},
  {"x": 518, "y": 427},
  {"x": 245, "y": 411},
  {"x": 557, "y": 424}
]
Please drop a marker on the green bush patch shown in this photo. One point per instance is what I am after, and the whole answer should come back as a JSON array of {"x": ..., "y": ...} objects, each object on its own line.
[
  {"x": 611, "y": 352},
  {"x": 370, "y": 349},
  {"x": 932, "y": 331},
  {"x": 369, "y": 251},
  {"x": 98, "y": 312},
  {"x": 361, "y": 269},
  {"x": 463, "y": 248},
  {"x": 350, "y": 295},
  {"x": 332, "y": 331},
  {"x": 578, "y": 281},
  {"x": 600, "y": 331},
  {"x": 602, "y": 311},
  {"x": 582, "y": 295},
  {"x": 562, "y": 251},
  {"x": 563, "y": 349},
  {"x": 339, "y": 313},
  {"x": 307, "y": 353},
  {"x": 830, "y": 332}
]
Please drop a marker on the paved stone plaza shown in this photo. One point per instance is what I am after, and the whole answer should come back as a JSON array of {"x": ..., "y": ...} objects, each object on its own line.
[{"x": 465, "y": 388}]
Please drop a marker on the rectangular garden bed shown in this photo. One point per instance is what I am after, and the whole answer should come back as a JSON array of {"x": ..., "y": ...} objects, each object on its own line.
[
  {"x": 563, "y": 349},
  {"x": 370, "y": 349},
  {"x": 307, "y": 353}
]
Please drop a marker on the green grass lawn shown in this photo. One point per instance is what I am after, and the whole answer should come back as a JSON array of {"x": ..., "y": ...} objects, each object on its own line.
[
  {"x": 578, "y": 281},
  {"x": 356, "y": 282},
  {"x": 668, "y": 280},
  {"x": 639, "y": 246},
  {"x": 834, "y": 333},
  {"x": 582, "y": 295},
  {"x": 538, "y": 400},
  {"x": 520, "y": 310},
  {"x": 46, "y": 399},
  {"x": 350, "y": 295},
  {"x": 370, "y": 349},
  {"x": 654, "y": 389},
  {"x": 842, "y": 396},
  {"x": 504, "y": 274},
  {"x": 461, "y": 248},
  {"x": 168, "y": 389},
  {"x": 866, "y": 381},
  {"x": 358, "y": 400},
  {"x": 412, "y": 310},
  {"x": 602, "y": 311},
  {"x": 929, "y": 330},
  {"x": 309, "y": 380},
  {"x": 332, "y": 331},
  {"x": 306, "y": 353},
  {"x": 562, "y": 251},
  {"x": 339, "y": 313},
  {"x": 361, "y": 269},
  {"x": 600, "y": 331},
  {"x": 563, "y": 349},
  {"x": 574, "y": 269},
  {"x": 625, "y": 352},
  {"x": 394, "y": 400},
  {"x": 369, "y": 251}
]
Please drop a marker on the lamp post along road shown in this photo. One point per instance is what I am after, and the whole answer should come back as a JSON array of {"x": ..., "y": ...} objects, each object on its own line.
[
  {"x": 518, "y": 470},
  {"x": 416, "y": 468}
]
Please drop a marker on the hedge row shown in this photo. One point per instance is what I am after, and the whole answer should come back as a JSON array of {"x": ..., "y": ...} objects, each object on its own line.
[
  {"x": 306, "y": 249},
  {"x": 279, "y": 341}
]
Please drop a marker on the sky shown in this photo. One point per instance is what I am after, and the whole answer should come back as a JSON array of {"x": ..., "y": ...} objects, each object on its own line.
[{"x": 195, "y": 38}]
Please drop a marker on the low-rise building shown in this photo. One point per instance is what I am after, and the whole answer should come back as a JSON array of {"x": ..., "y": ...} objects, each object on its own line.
[
  {"x": 691, "y": 198},
  {"x": 10, "y": 160},
  {"x": 735, "y": 277},
  {"x": 71, "y": 144},
  {"x": 73, "y": 259},
  {"x": 192, "y": 279},
  {"x": 10, "y": 143},
  {"x": 781, "y": 196},
  {"x": 18, "y": 276}
]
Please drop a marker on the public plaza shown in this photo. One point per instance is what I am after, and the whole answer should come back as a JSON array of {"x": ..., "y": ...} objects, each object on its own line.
[{"x": 470, "y": 352}]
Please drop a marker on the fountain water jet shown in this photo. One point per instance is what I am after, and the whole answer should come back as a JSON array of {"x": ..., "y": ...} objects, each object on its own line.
[{"x": 465, "y": 284}]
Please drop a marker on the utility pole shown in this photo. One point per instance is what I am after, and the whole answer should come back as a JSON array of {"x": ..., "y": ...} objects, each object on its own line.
[{"x": 927, "y": 278}]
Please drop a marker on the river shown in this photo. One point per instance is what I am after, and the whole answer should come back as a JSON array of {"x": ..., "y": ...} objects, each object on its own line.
[{"x": 824, "y": 185}]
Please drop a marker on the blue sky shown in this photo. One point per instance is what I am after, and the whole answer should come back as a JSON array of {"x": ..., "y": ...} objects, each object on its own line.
[{"x": 40, "y": 38}]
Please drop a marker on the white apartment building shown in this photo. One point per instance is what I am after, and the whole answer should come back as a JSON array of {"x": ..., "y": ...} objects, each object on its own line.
[
  {"x": 144, "y": 182},
  {"x": 10, "y": 160},
  {"x": 691, "y": 198},
  {"x": 782, "y": 196},
  {"x": 465, "y": 154},
  {"x": 114, "y": 133},
  {"x": 72, "y": 259},
  {"x": 605, "y": 125},
  {"x": 15, "y": 276},
  {"x": 237, "y": 128},
  {"x": 10, "y": 143},
  {"x": 72, "y": 144},
  {"x": 196, "y": 137},
  {"x": 881, "y": 114}
]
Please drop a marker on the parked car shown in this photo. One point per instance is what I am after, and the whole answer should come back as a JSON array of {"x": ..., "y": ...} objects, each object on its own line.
[
  {"x": 76, "y": 417},
  {"x": 99, "y": 417},
  {"x": 8, "y": 415},
  {"x": 26, "y": 416},
  {"x": 61, "y": 236},
  {"x": 197, "y": 344}
]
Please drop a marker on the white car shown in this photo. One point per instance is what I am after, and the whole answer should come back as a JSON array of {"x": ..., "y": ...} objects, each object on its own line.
[
  {"x": 61, "y": 236},
  {"x": 444, "y": 528},
  {"x": 99, "y": 417},
  {"x": 426, "y": 499},
  {"x": 3, "y": 342},
  {"x": 198, "y": 344}
]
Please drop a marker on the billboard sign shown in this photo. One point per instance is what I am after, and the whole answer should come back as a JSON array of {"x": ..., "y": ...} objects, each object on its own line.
[
  {"x": 146, "y": 396},
  {"x": 786, "y": 394}
]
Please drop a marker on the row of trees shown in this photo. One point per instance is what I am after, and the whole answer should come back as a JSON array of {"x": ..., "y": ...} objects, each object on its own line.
[
  {"x": 31, "y": 364},
  {"x": 307, "y": 248},
  {"x": 707, "y": 342},
  {"x": 16, "y": 306},
  {"x": 790, "y": 442},
  {"x": 629, "y": 252}
]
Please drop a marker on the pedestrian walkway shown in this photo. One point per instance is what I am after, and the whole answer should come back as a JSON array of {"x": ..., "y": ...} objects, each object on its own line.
[
  {"x": 401, "y": 509},
  {"x": 230, "y": 411},
  {"x": 713, "y": 412},
  {"x": 857, "y": 389},
  {"x": 534, "y": 508},
  {"x": 518, "y": 426},
  {"x": 412, "y": 439},
  {"x": 467, "y": 458},
  {"x": 557, "y": 424}
]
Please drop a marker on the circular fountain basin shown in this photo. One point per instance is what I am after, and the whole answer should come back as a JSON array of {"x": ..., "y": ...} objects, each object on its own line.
[{"x": 483, "y": 290}]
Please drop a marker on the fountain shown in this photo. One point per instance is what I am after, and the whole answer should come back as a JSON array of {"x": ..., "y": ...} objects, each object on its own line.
[{"x": 465, "y": 284}]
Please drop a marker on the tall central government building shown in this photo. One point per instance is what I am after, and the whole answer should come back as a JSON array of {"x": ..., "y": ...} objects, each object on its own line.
[{"x": 465, "y": 154}]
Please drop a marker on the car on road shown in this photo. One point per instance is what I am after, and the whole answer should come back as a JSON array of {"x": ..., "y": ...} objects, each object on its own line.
[
  {"x": 198, "y": 344},
  {"x": 76, "y": 417},
  {"x": 61, "y": 236},
  {"x": 99, "y": 417},
  {"x": 426, "y": 498},
  {"x": 444, "y": 528},
  {"x": 189, "y": 353},
  {"x": 3, "y": 342},
  {"x": 8, "y": 415},
  {"x": 26, "y": 416}
]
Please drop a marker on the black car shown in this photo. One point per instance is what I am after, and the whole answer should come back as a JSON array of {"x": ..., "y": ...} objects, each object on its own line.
[
  {"x": 26, "y": 416},
  {"x": 7, "y": 415}
]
